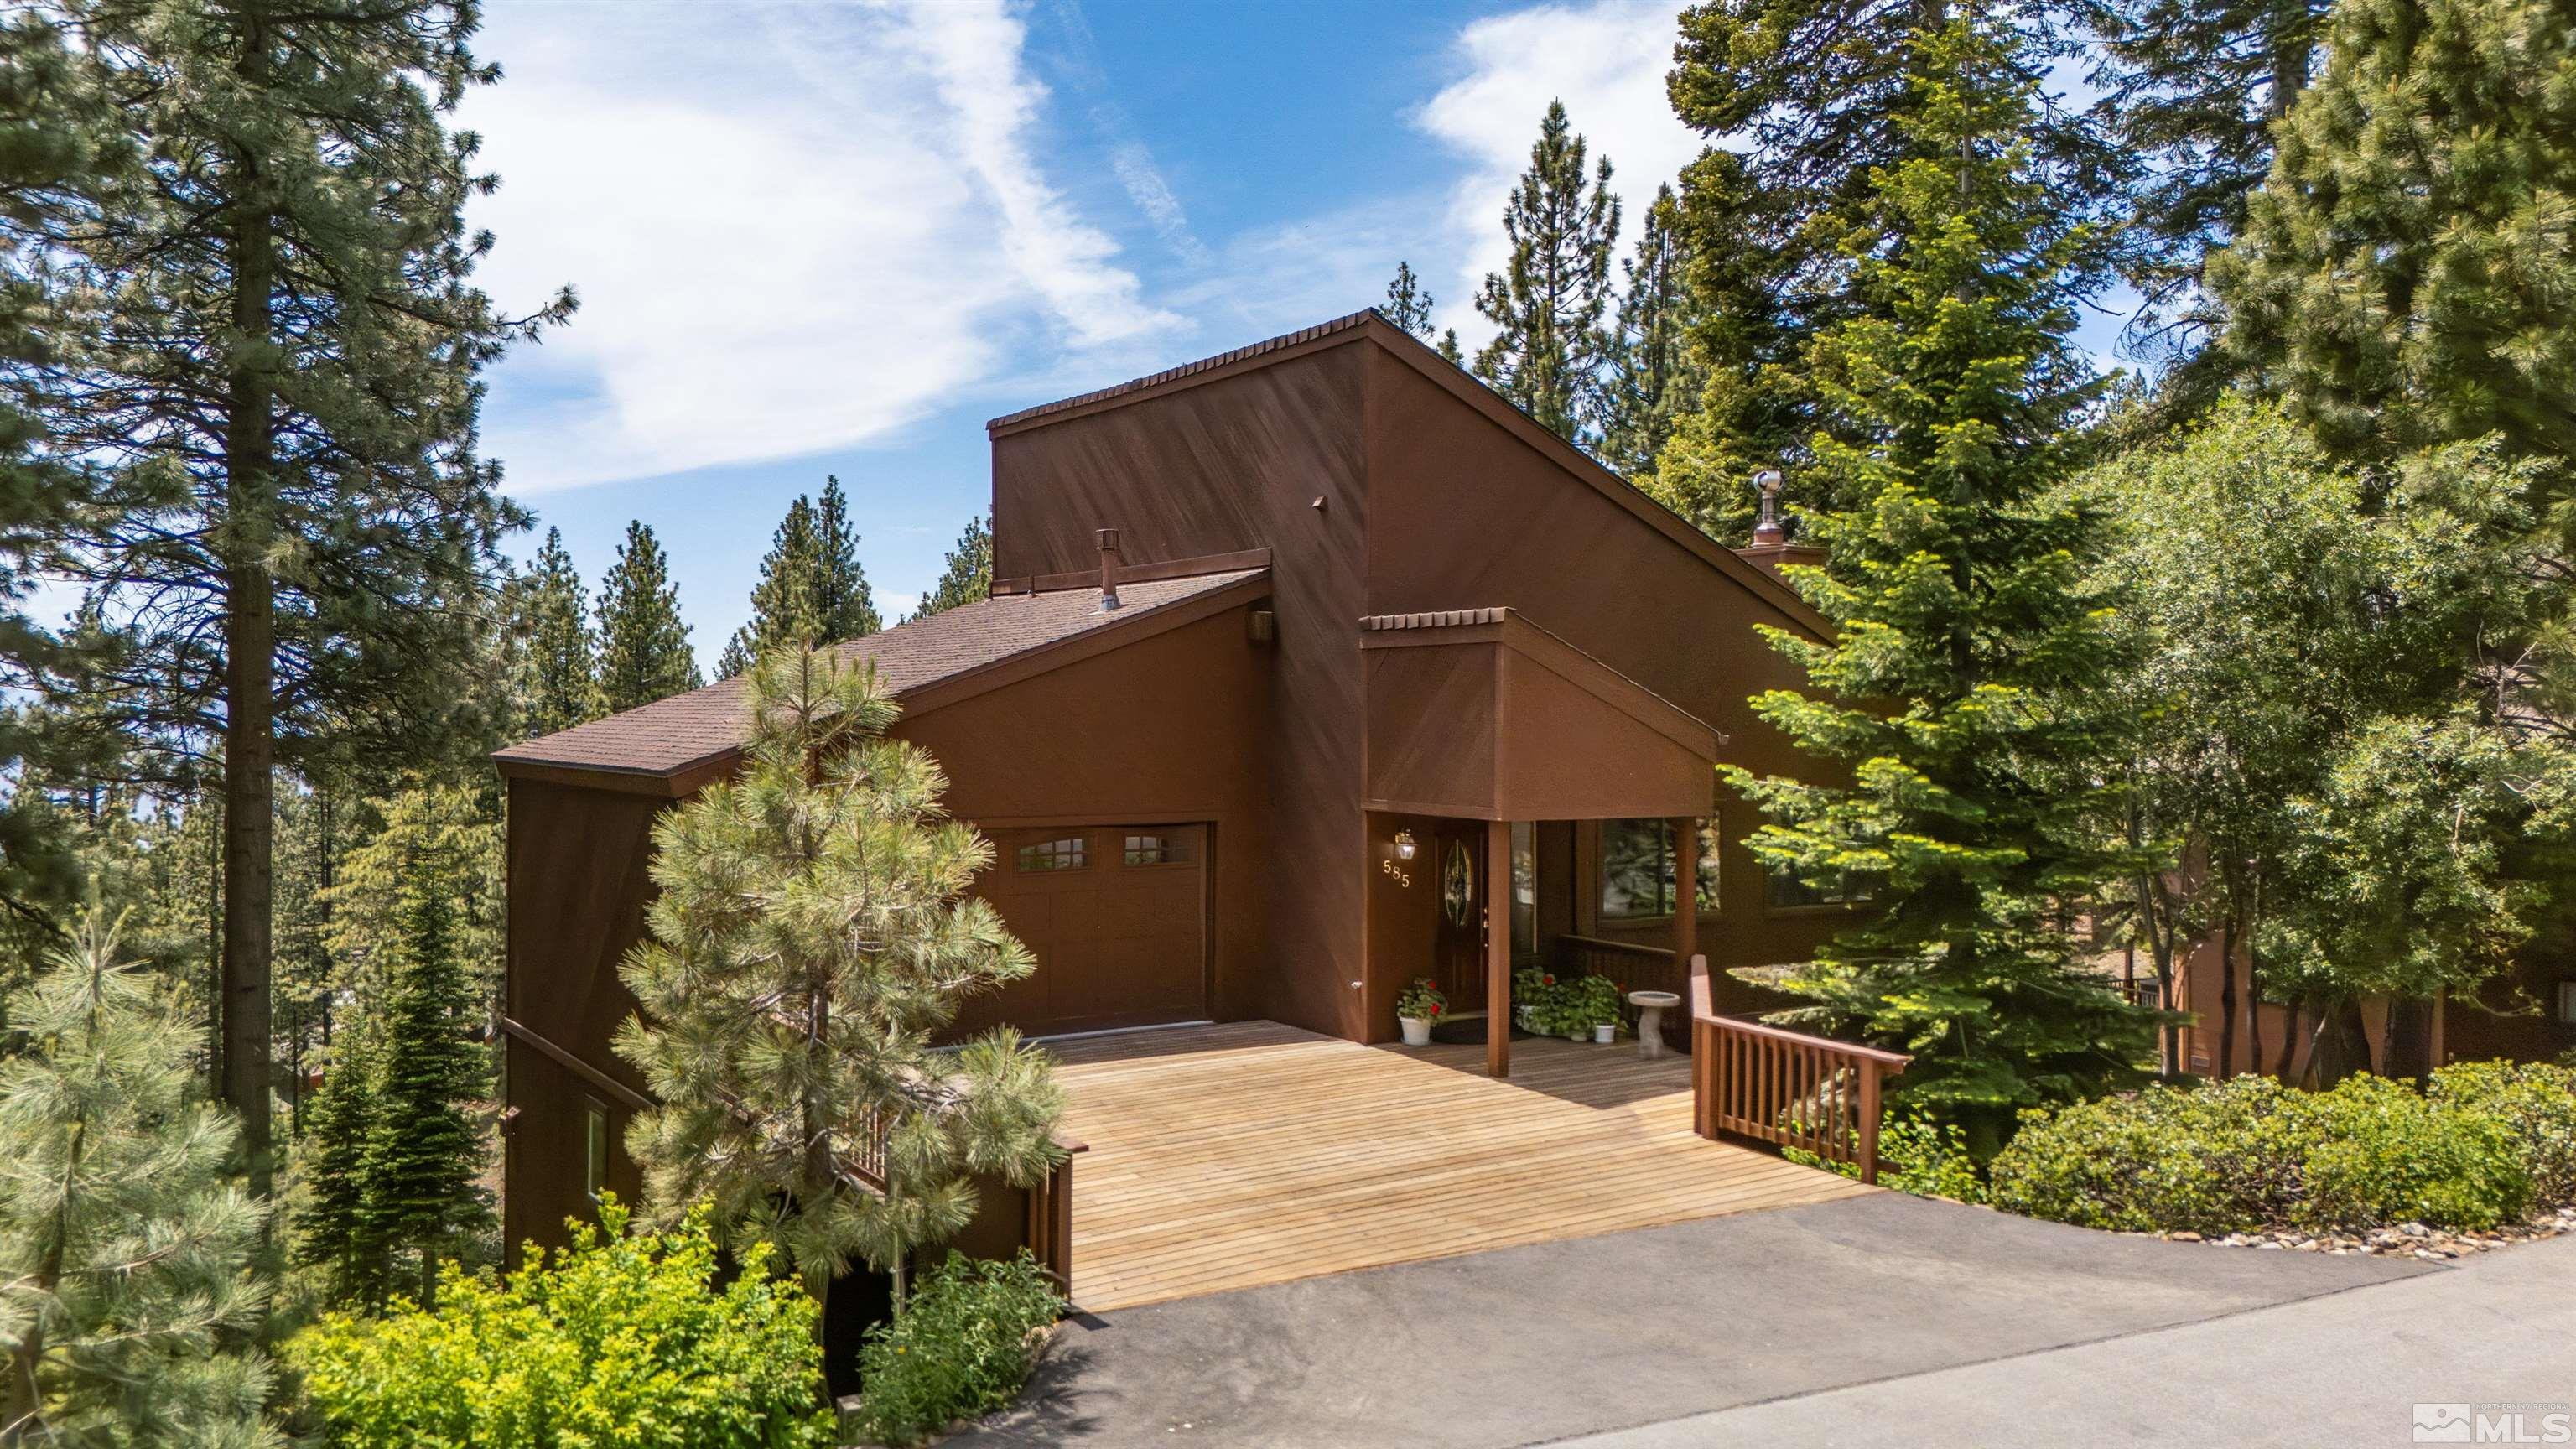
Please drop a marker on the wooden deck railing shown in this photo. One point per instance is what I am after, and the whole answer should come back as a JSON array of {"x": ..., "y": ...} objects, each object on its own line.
[{"x": 1809, "y": 1092}]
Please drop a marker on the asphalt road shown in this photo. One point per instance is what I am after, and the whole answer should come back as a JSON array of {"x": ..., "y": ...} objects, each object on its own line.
[
  {"x": 1884, "y": 1319},
  {"x": 2485, "y": 1352}
]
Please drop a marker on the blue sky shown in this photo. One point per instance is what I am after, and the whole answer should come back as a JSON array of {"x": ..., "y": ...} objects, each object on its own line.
[{"x": 836, "y": 237}]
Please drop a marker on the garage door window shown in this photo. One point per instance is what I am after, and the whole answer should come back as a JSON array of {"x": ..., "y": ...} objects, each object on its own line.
[
  {"x": 1064, "y": 854},
  {"x": 1155, "y": 850}
]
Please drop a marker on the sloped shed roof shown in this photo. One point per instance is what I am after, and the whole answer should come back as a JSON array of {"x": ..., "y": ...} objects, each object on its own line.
[{"x": 669, "y": 736}]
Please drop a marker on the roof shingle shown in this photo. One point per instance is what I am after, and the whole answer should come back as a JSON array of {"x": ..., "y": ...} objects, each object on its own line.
[{"x": 670, "y": 735}]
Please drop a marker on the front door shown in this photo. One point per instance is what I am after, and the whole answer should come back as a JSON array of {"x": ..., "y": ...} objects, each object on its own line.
[{"x": 1458, "y": 945}]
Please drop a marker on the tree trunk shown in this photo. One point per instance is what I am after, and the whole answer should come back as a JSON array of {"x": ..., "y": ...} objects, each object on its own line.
[
  {"x": 2342, "y": 1045},
  {"x": 2253, "y": 1014},
  {"x": 2410, "y": 1039},
  {"x": 2225, "y": 1066},
  {"x": 250, "y": 676},
  {"x": 2289, "y": 1042},
  {"x": 2156, "y": 912}
]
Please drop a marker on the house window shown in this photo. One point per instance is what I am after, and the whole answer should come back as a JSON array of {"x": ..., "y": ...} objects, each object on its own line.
[
  {"x": 1065, "y": 854},
  {"x": 1152, "y": 849},
  {"x": 594, "y": 1149},
  {"x": 1638, "y": 881},
  {"x": 1786, "y": 891},
  {"x": 2567, "y": 1002},
  {"x": 1524, "y": 888}
]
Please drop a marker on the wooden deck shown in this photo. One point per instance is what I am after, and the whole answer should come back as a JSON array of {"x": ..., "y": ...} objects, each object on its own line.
[{"x": 1233, "y": 1156}]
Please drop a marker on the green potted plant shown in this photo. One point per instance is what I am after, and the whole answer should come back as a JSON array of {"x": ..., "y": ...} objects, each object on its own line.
[
  {"x": 1534, "y": 997},
  {"x": 1596, "y": 1002},
  {"x": 1418, "y": 1010}
]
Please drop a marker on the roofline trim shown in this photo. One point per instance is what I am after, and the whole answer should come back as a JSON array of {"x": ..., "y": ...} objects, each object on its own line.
[
  {"x": 1136, "y": 573},
  {"x": 1083, "y": 402}
]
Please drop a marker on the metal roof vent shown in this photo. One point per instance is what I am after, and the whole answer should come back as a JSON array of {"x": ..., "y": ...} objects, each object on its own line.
[{"x": 1109, "y": 561}]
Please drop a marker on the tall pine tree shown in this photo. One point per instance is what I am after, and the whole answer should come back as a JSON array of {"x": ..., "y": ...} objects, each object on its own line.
[
  {"x": 557, "y": 684},
  {"x": 126, "y": 1251},
  {"x": 1547, "y": 305},
  {"x": 1408, "y": 305},
  {"x": 969, "y": 574},
  {"x": 1653, "y": 381},
  {"x": 1960, "y": 689},
  {"x": 811, "y": 590},
  {"x": 2405, "y": 273},
  {"x": 786, "y": 604},
  {"x": 267, "y": 347},
  {"x": 2193, "y": 89},
  {"x": 644, "y": 652},
  {"x": 397, "y": 1143},
  {"x": 1808, "y": 100},
  {"x": 812, "y": 936},
  {"x": 847, "y": 606}
]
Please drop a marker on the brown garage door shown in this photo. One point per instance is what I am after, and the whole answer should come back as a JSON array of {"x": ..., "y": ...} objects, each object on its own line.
[{"x": 1117, "y": 918}]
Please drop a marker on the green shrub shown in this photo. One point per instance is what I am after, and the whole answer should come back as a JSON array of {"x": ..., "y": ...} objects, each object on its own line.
[
  {"x": 1915, "y": 1154},
  {"x": 2209, "y": 1159},
  {"x": 616, "y": 1339},
  {"x": 2535, "y": 1102},
  {"x": 2249, "y": 1154},
  {"x": 962, "y": 1348},
  {"x": 2386, "y": 1153}
]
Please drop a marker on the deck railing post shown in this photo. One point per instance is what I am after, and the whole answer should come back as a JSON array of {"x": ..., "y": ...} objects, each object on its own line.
[{"x": 1868, "y": 1124}]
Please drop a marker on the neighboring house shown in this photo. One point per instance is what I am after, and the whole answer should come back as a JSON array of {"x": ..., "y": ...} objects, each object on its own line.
[
  {"x": 2526, "y": 1013},
  {"x": 1297, "y": 659}
]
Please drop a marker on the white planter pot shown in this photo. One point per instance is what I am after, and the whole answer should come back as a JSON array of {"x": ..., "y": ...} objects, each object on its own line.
[
  {"x": 1605, "y": 1033},
  {"x": 1417, "y": 1030},
  {"x": 1521, "y": 1017}
]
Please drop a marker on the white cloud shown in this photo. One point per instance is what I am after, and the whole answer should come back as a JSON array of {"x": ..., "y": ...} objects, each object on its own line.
[
  {"x": 973, "y": 50},
  {"x": 791, "y": 230},
  {"x": 1153, "y": 196},
  {"x": 1607, "y": 62}
]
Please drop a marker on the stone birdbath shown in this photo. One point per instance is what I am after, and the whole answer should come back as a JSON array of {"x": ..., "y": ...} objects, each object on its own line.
[{"x": 1651, "y": 1006}]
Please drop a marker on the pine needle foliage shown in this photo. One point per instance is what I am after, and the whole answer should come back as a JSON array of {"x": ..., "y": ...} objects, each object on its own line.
[
  {"x": 1549, "y": 302},
  {"x": 644, "y": 652},
  {"x": 811, "y": 939},
  {"x": 266, "y": 347},
  {"x": 1956, "y": 692},
  {"x": 1653, "y": 380},
  {"x": 811, "y": 588},
  {"x": 557, "y": 676},
  {"x": 126, "y": 1248},
  {"x": 398, "y": 1140},
  {"x": 1805, "y": 103},
  {"x": 2405, "y": 273},
  {"x": 968, "y": 576}
]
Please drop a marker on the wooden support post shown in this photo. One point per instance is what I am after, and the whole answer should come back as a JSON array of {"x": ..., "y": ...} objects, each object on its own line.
[
  {"x": 1868, "y": 1125},
  {"x": 1498, "y": 948},
  {"x": 1686, "y": 910}
]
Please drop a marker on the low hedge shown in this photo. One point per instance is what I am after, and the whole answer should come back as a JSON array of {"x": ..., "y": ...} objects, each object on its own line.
[{"x": 2488, "y": 1142}]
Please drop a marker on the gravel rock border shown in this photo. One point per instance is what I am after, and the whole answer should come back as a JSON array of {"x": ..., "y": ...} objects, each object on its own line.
[{"x": 2406, "y": 1240}]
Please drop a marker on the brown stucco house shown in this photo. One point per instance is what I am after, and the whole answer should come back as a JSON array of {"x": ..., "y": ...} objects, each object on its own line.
[{"x": 1297, "y": 657}]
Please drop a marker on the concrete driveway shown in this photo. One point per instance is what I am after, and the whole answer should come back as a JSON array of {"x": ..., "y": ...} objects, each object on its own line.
[{"x": 1811, "y": 1322}]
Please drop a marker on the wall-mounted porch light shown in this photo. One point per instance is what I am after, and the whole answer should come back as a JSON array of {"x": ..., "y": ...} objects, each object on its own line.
[{"x": 1404, "y": 846}]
